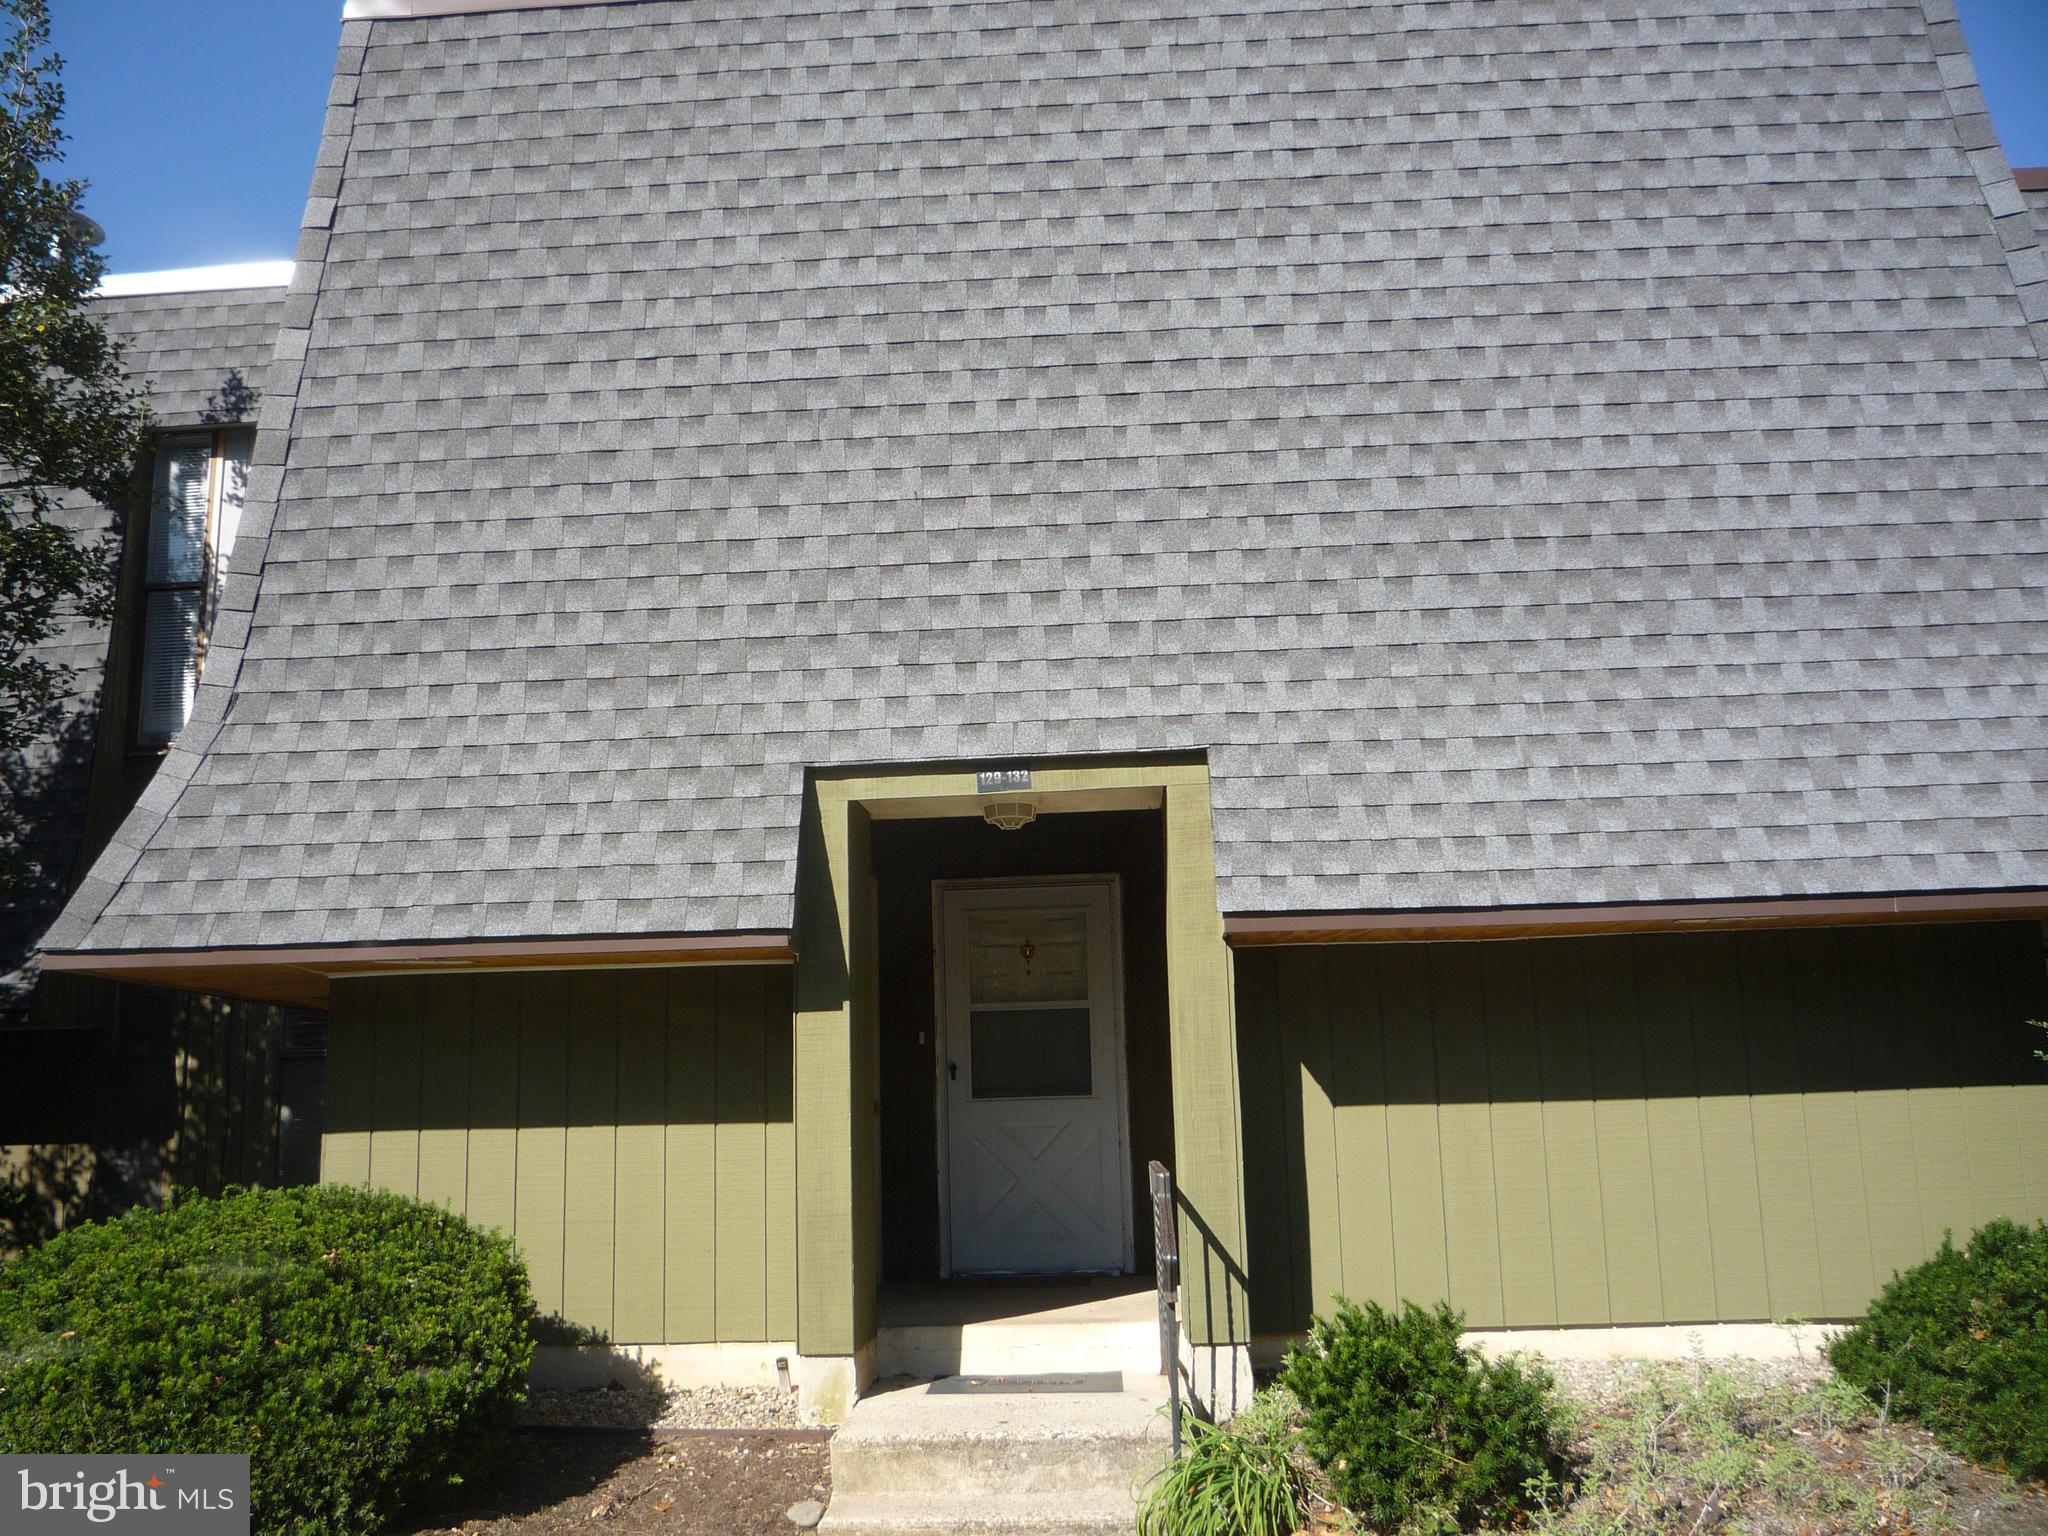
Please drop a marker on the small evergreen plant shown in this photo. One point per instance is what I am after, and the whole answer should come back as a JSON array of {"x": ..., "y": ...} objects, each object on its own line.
[
  {"x": 1961, "y": 1343},
  {"x": 364, "y": 1350},
  {"x": 1415, "y": 1430}
]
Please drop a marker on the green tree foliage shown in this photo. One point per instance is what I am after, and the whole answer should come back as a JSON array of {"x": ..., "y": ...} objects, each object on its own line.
[
  {"x": 365, "y": 1351},
  {"x": 1961, "y": 1343},
  {"x": 1416, "y": 1431},
  {"x": 69, "y": 419}
]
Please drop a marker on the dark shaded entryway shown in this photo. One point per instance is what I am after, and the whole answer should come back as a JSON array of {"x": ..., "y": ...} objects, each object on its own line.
[{"x": 909, "y": 855}]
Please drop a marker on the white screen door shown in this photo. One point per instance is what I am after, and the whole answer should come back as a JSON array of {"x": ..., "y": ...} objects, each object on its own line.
[{"x": 1031, "y": 1073}]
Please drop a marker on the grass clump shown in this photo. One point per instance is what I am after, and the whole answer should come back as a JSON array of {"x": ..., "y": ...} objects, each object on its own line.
[
  {"x": 1234, "y": 1479},
  {"x": 1416, "y": 1431},
  {"x": 1698, "y": 1448},
  {"x": 1961, "y": 1344}
]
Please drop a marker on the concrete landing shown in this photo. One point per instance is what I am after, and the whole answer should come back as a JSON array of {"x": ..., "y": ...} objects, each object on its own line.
[
  {"x": 1028, "y": 1327},
  {"x": 911, "y": 1459}
]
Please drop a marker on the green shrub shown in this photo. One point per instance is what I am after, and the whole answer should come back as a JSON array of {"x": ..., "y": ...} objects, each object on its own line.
[
  {"x": 1235, "y": 1479},
  {"x": 1414, "y": 1429},
  {"x": 364, "y": 1350},
  {"x": 1961, "y": 1343}
]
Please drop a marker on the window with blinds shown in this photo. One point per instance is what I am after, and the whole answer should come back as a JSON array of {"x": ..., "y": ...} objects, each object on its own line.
[{"x": 196, "y": 505}]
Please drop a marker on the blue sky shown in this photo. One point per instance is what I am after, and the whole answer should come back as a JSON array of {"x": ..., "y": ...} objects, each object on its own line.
[{"x": 196, "y": 120}]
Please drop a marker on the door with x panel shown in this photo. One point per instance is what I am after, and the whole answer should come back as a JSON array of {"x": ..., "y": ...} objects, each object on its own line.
[{"x": 1031, "y": 1071}]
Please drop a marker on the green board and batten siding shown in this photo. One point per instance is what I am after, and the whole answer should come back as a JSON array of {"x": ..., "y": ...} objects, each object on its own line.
[
  {"x": 630, "y": 1128},
  {"x": 1638, "y": 1129}
]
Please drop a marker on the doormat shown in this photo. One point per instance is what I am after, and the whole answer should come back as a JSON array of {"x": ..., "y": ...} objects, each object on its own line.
[{"x": 997, "y": 1386}]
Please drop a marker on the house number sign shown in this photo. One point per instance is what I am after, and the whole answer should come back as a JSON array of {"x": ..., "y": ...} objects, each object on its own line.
[{"x": 1001, "y": 781}]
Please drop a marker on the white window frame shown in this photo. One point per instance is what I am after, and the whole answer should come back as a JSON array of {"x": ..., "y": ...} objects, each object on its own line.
[{"x": 222, "y": 457}]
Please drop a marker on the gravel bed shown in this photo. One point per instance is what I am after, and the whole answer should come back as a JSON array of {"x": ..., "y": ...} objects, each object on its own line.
[
  {"x": 656, "y": 1407},
  {"x": 1602, "y": 1381}
]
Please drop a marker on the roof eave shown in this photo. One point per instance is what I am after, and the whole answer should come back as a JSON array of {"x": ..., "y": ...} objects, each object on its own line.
[
  {"x": 301, "y": 975},
  {"x": 1246, "y": 930}
]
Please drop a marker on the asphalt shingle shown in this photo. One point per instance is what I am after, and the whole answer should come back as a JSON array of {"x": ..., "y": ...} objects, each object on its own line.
[
  {"x": 197, "y": 357},
  {"x": 1539, "y": 460},
  {"x": 200, "y": 357}
]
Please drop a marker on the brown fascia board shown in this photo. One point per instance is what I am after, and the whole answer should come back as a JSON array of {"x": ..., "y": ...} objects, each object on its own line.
[
  {"x": 1247, "y": 930},
  {"x": 299, "y": 975},
  {"x": 2032, "y": 178}
]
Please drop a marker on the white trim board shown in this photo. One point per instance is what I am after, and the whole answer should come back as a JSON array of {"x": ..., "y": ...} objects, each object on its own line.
[{"x": 239, "y": 274}]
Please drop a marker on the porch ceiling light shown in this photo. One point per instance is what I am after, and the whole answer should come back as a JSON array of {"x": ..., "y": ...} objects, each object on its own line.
[{"x": 1010, "y": 813}]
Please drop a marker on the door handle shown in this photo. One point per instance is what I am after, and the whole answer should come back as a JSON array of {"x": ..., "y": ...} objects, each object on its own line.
[{"x": 953, "y": 1070}]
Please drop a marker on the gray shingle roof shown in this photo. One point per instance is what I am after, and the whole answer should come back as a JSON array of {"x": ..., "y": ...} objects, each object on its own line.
[
  {"x": 201, "y": 356},
  {"x": 1541, "y": 460},
  {"x": 2037, "y": 209},
  {"x": 187, "y": 350}
]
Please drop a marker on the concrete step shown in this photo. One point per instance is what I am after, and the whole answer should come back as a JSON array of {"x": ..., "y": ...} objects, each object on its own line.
[
  {"x": 1003, "y": 1514},
  {"x": 947, "y": 1329},
  {"x": 917, "y": 1441},
  {"x": 931, "y": 1350}
]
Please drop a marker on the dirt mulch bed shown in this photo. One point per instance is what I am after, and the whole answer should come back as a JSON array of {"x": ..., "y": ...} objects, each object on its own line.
[
  {"x": 1954, "y": 1494},
  {"x": 1766, "y": 1448},
  {"x": 626, "y": 1482}
]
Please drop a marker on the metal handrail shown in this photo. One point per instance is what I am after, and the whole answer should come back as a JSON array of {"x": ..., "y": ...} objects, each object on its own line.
[{"x": 1166, "y": 1267}]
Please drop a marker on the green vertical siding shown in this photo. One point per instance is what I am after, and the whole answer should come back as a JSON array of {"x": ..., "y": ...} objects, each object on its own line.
[
  {"x": 444, "y": 1102},
  {"x": 640, "y": 1194},
  {"x": 740, "y": 1155},
  {"x": 692, "y": 1290},
  {"x": 1359, "y": 1091},
  {"x": 1515, "y": 1119},
  {"x": 1639, "y": 1129},
  {"x": 778, "y": 1117},
  {"x": 1678, "y": 1171},
  {"x": 539, "y": 1182},
  {"x": 492, "y": 1139},
  {"x": 1569, "y": 1147},
  {"x": 1728, "y": 1142},
  {"x": 590, "y": 1148},
  {"x": 395, "y": 1095},
  {"x": 630, "y": 1129},
  {"x": 1208, "y": 1134},
  {"x": 1465, "y": 1136}
]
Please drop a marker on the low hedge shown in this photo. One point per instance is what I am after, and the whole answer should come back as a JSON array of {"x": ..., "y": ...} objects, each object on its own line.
[
  {"x": 366, "y": 1351},
  {"x": 1415, "y": 1429},
  {"x": 1961, "y": 1343}
]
